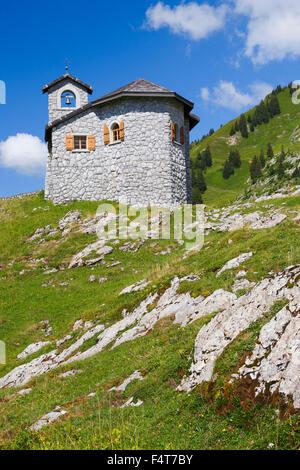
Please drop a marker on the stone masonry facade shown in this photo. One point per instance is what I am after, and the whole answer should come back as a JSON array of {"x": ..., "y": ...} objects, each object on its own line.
[{"x": 148, "y": 167}]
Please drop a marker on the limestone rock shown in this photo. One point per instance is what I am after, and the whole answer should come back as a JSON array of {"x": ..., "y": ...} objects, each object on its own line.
[
  {"x": 214, "y": 337},
  {"x": 234, "y": 263},
  {"x": 99, "y": 247},
  {"x": 130, "y": 402},
  {"x": 134, "y": 376},
  {"x": 32, "y": 348},
  {"x": 47, "y": 419},
  {"x": 242, "y": 284},
  {"x": 140, "y": 285},
  {"x": 275, "y": 361}
]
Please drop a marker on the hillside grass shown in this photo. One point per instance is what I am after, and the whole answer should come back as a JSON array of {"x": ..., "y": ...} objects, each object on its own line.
[
  {"x": 278, "y": 132},
  {"x": 213, "y": 416}
]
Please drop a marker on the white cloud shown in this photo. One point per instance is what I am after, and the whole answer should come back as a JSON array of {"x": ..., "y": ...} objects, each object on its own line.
[
  {"x": 225, "y": 94},
  {"x": 272, "y": 26},
  {"x": 25, "y": 153},
  {"x": 191, "y": 19},
  {"x": 272, "y": 29},
  {"x": 205, "y": 94}
]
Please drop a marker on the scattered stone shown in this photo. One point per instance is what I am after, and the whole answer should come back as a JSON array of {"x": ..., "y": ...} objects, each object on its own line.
[
  {"x": 132, "y": 247},
  {"x": 69, "y": 219},
  {"x": 98, "y": 247},
  {"x": 130, "y": 402},
  {"x": 47, "y": 419},
  {"x": 24, "y": 391},
  {"x": 121, "y": 388},
  {"x": 117, "y": 263},
  {"x": 92, "y": 279},
  {"x": 102, "y": 280},
  {"x": 77, "y": 325},
  {"x": 242, "y": 284},
  {"x": 32, "y": 348},
  {"x": 63, "y": 340},
  {"x": 234, "y": 263},
  {"x": 241, "y": 274},
  {"x": 70, "y": 373},
  {"x": 51, "y": 271},
  {"x": 140, "y": 285}
]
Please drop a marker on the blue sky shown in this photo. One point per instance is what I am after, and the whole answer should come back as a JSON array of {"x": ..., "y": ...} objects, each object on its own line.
[{"x": 222, "y": 55}]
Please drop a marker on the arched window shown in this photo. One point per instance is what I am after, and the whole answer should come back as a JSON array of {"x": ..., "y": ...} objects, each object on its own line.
[
  {"x": 68, "y": 99},
  {"x": 115, "y": 131}
]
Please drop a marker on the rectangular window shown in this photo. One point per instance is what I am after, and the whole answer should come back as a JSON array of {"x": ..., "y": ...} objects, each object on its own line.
[{"x": 80, "y": 142}]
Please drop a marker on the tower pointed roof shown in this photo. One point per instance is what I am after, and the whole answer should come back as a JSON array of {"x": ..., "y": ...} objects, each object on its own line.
[{"x": 67, "y": 76}]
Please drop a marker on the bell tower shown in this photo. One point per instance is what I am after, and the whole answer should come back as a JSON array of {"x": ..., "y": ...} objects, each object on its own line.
[{"x": 66, "y": 94}]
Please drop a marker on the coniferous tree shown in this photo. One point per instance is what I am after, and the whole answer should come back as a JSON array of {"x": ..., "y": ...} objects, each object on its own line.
[
  {"x": 274, "y": 107},
  {"x": 208, "y": 157},
  {"x": 228, "y": 170},
  {"x": 296, "y": 173},
  {"x": 238, "y": 161},
  {"x": 201, "y": 184},
  {"x": 243, "y": 126},
  {"x": 235, "y": 158},
  {"x": 255, "y": 170},
  {"x": 280, "y": 169},
  {"x": 262, "y": 159},
  {"x": 232, "y": 131},
  {"x": 193, "y": 178},
  {"x": 237, "y": 127},
  {"x": 252, "y": 127},
  {"x": 270, "y": 152},
  {"x": 196, "y": 195},
  {"x": 197, "y": 165}
]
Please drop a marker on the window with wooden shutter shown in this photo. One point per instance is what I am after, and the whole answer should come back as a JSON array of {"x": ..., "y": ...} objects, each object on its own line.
[
  {"x": 172, "y": 130},
  {"x": 121, "y": 127},
  {"x": 182, "y": 135},
  {"x": 80, "y": 142},
  {"x": 91, "y": 142},
  {"x": 106, "y": 135},
  {"x": 69, "y": 142}
]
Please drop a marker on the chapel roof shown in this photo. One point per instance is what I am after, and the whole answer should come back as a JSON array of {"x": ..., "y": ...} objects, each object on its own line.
[{"x": 137, "y": 88}]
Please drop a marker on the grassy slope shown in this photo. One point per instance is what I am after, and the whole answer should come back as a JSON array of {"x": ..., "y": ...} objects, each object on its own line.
[
  {"x": 207, "y": 418},
  {"x": 278, "y": 131}
]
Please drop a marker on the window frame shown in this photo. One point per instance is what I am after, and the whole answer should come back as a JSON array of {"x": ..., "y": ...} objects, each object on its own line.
[
  {"x": 80, "y": 149},
  {"x": 115, "y": 129}
]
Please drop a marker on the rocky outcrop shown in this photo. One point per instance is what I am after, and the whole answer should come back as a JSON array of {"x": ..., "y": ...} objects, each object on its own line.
[
  {"x": 275, "y": 361},
  {"x": 214, "y": 337}
]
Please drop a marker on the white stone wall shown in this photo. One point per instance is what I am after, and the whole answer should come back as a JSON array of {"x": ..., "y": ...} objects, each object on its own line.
[
  {"x": 54, "y": 98},
  {"x": 146, "y": 168}
]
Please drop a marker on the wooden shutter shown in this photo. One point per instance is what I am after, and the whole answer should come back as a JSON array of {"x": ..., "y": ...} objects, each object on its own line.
[
  {"x": 106, "y": 135},
  {"x": 91, "y": 142},
  {"x": 182, "y": 135},
  {"x": 69, "y": 142},
  {"x": 172, "y": 130},
  {"x": 121, "y": 130}
]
